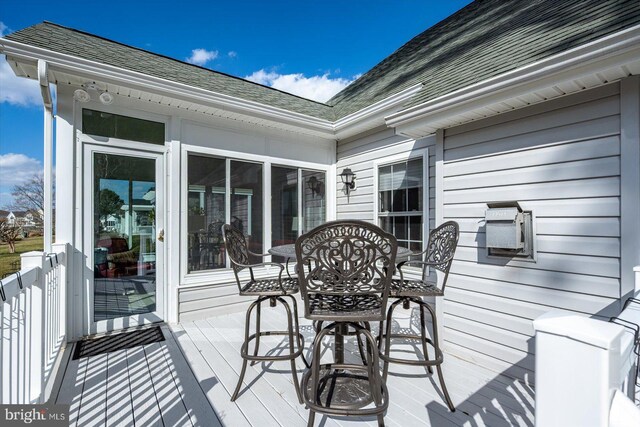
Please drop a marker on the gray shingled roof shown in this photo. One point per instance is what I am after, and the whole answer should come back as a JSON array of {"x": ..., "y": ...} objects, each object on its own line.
[
  {"x": 485, "y": 39},
  {"x": 87, "y": 46}
]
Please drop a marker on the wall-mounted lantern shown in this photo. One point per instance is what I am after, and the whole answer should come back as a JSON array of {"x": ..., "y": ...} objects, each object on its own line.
[
  {"x": 314, "y": 185},
  {"x": 348, "y": 179}
]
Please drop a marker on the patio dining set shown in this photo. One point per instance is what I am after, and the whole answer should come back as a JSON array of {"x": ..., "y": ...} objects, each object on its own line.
[{"x": 346, "y": 272}]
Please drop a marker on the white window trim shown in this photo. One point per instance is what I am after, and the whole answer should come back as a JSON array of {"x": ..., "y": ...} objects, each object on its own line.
[
  {"x": 225, "y": 275},
  {"x": 396, "y": 158}
]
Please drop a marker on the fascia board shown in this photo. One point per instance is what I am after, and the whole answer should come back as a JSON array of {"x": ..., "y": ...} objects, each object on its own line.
[
  {"x": 374, "y": 114},
  {"x": 73, "y": 65},
  {"x": 616, "y": 49}
]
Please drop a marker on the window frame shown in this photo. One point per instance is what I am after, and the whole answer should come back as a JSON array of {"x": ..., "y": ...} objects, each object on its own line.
[
  {"x": 399, "y": 158},
  {"x": 225, "y": 275}
]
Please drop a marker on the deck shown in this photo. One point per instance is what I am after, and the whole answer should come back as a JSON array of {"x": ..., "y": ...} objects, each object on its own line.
[{"x": 187, "y": 380}]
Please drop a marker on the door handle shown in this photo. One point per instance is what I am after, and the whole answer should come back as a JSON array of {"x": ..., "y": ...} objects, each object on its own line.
[{"x": 161, "y": 235}]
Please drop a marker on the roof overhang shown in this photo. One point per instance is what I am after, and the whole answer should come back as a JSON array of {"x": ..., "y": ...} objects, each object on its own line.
[
  {"x": 594, "y": 64},
  {"x": 23, "y": 59},
  {"x": 373, "y": 115}
]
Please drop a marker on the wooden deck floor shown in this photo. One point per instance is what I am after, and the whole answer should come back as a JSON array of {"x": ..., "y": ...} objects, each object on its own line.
[{"x": 188, "y": 379}]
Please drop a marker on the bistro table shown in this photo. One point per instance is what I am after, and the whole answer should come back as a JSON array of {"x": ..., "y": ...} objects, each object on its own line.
[{"x": 288, "y": 252}]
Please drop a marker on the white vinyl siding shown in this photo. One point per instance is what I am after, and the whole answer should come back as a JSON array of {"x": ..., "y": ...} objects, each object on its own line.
[{"x": 561, "y": 160}]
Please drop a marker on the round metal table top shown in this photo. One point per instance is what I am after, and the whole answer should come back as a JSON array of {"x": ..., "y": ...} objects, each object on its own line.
[{"x": 289, "y": 251}]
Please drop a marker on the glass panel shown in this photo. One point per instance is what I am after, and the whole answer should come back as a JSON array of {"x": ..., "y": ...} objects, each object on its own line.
[
  {"x": 246, "y": 203},
  {"x": 414, "y": 199},
  {"x": 124, "y": 236},
  {"x": 386, "y": 224},
  {"x": 385, "y": 201},
  {"x": 206, "y": 181},
  {"x": 415, "y": 228},
  {"x": 399, "y": 201},
  {"x": 313, "y": 199},
  {"x": 284, "y": 207},
  {"x": 384, "y": 178},
  {"x": 401, "y": 229},
  {"x": 113, "y": 125},
  {"x": 399, "y": 176}
]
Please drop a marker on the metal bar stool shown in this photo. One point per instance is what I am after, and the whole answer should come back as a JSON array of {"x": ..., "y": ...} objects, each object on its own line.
[
  {"x": 344, "y": 269},
  {"x": 272, "y": 289},
  {"x": 439, "y": 255}
]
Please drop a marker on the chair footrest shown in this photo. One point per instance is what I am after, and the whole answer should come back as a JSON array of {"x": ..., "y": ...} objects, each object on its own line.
[
  {"x": 245, "y": 346},
  {"x": 343, "y": 389},
  {"x": 427, "y": 362}
]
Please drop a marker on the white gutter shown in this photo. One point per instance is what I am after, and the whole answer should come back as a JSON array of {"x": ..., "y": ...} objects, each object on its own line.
[
  {"x": 374, "y": 114},
  {"x": 613, "y": 50},
  {"x": 47, "y": 100},
  {"x": 110, "y": 74}
]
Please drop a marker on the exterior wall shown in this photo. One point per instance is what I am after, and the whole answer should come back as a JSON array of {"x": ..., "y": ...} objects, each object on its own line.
[
  {"x": 561, "y": 160},
  {"x": 360, "y": 154},
  {"x": 186, "y": 131}
]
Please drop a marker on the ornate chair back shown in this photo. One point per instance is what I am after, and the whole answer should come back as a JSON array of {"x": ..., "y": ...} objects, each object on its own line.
[
  {"x": 441, "y": 248},
  {"x": 237, "y": 249},
  {"x": 346, "y": 258}
]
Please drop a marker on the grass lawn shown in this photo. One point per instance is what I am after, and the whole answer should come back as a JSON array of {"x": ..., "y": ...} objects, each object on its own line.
[{"x": 24, "y": 245}]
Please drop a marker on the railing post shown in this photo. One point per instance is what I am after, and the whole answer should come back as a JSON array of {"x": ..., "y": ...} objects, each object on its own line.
[
  {"x": 64, "y": 285},
  {"x": 575, "y": 369},
  {"x": 636, "y": 270},
  {"x": 36, "y": 355}
]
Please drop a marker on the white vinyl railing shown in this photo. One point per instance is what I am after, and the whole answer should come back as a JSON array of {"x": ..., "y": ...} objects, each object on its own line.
[
  {"x": 586, "y": 368},
  {"x": 33, "y": 326}
]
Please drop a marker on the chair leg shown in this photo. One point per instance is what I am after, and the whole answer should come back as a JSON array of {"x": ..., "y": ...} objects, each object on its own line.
[
  {"x": 436, "y": 345},
  {"x": 246, "y": 342},
  {"x": 312, "y": 418},
  {"x": 294, "y": 371},
  {"x": 297, "y": 330},
  {"x": 387, "y": 338},
  {"x": 423, "y": 333},
  {"x": 255, "y": 351}
]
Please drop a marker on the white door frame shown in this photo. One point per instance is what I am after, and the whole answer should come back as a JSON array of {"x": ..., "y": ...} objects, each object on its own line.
[{"x": 89, "y": 325}]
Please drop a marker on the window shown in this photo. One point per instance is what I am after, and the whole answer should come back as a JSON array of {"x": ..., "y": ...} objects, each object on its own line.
[
  {"x": 115, "y": 126},
  {"x": 294, "y": 190},
  {"x": 207, "y": 179},
  {"x": 401, "y": 201}
]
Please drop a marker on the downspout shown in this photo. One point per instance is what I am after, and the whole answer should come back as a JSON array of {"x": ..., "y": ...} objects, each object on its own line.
[{"x": 47, "y": 101}]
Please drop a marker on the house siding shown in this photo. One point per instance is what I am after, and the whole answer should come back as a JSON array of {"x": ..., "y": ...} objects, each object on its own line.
[{"x": 561, "y": 160}]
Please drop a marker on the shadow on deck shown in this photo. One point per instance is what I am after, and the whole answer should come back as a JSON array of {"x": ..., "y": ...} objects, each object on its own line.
[{"x": 187, "y": 380}]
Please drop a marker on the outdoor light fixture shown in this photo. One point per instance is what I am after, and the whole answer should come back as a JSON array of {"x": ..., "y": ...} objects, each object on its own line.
[
  {"x": 106, "y": 98},
  {"x": 348, "y": 179},
  {"x": 82, "y": 95},
  {"x": 314, "y": 185}
]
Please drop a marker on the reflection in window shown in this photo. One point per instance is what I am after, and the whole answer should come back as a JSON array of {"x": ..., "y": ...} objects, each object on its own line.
[
  {"x": 206, "y": 212},
  {"x": 246, "y": 203},
  {"x": 284, "y": 206},
  {"x": 314, "y": 209},
  {"x": 400, "y": 201}
]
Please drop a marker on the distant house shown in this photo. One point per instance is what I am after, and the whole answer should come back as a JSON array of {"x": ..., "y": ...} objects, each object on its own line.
[
  {"x": 533, "y": 106},
  {"x": 25, "y": 219}
]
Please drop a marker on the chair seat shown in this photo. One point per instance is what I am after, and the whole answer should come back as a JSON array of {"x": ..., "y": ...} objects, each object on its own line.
[
  {"x": 270, "y": 286},
  {"x": 345, "y": 307},
  {"x": 414, "y": 287}
]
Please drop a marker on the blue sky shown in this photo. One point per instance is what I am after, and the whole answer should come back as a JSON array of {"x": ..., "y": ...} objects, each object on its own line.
[{"x": 313, "y": 49}]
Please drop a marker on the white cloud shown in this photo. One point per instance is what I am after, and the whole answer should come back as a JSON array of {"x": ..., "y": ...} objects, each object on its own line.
[
  {"x": 319, "y": 88},
  {"x": 17, "y": 168},
  {"x": 232, "y": 54},
  {"x": 3, "y": 29},
  {"x": 202, "y": 56},
  {"x": 17, "y": 90}
]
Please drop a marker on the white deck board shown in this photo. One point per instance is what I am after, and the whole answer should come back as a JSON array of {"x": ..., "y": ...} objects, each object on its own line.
[{"x": 188, "y": 379}]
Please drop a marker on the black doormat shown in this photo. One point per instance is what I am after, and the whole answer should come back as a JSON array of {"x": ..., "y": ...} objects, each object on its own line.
[{"x": 107, "y": 344}]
